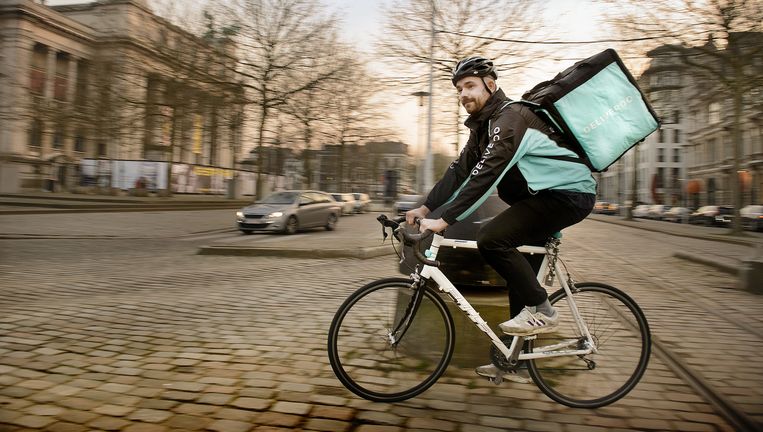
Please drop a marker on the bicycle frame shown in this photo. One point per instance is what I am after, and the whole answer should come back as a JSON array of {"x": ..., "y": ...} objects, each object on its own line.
[{"x": 512, "y": 353}]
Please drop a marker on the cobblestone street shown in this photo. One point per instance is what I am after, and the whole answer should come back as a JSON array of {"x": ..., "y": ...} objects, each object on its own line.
[{"x": 139, "y": 333}]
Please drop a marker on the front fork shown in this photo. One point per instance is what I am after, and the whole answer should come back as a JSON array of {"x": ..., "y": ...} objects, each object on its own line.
[{"x": 417, "y": 286}]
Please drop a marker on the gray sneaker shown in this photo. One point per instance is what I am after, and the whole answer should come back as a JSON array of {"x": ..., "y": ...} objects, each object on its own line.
[
  {"x": 496, "y": 375},
  {"x": 529, "y": 323}
]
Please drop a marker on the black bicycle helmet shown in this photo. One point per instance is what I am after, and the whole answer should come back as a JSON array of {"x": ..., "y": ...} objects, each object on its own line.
[{"x": 473, "y": 66}]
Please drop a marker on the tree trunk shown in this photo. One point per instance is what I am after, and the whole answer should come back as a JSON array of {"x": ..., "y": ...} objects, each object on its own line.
[
  {"x": 736, "y": 141},
  {"x": 306, "y": 159},
  {"x": 171, "y": 155},
  {"x": 634, "y": 186},
  {"x": 260, "y": 153}
]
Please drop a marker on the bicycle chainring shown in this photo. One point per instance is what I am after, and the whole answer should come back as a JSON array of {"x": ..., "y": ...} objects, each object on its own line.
[{"x": 497, "y": 357}]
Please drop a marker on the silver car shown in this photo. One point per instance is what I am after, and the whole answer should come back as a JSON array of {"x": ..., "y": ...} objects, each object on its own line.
[{"x": 289, "y": 212}]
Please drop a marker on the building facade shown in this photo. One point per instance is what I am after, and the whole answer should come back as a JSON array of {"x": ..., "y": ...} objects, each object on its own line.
[
  {"x": 688, "y": 161},
  {"x": 110, "y": 81}
]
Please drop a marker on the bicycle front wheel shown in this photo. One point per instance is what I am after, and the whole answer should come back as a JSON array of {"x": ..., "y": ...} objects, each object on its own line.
[
  {"x": 621, "y": 334},
  {"x": 378, "y": 358}
]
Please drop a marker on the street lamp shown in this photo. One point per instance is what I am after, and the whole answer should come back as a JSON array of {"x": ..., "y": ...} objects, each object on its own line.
[{"x": 421, "y": 177}]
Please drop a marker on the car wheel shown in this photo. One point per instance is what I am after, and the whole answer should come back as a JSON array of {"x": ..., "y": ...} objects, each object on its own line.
[
  {"x": 331, "y": 222},
  {"x": 292, "y": 225},
  {"x": 708, "y": 222},
  {"x": 247, "y": 231}
]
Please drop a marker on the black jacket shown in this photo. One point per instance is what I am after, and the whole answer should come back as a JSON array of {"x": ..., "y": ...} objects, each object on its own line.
[{"x": 500, "y": 137}]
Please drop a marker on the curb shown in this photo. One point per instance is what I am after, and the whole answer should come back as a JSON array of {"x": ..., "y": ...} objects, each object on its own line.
[
  {"x": 127, "y": 208},
  {"x": 733, "y": 270},
  {"x": 711, "y": 237},
  {"x": 358, "y": 253}
]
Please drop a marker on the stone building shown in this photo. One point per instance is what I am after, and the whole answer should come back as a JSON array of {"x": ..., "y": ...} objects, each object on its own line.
[
  {"x": 689, "y": 160},
  {"x": 109, "y": 81}
]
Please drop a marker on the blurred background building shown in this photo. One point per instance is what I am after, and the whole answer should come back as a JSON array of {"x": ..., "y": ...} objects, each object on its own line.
[
  {"x": 689, "y": 161},
  {"x": 87, "y": 85}
]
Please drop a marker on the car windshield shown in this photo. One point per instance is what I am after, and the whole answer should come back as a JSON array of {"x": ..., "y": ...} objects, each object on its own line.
[{"x": 280, "y": 198}]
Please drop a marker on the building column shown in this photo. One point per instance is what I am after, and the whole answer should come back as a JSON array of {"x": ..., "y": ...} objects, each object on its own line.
[
  {"x": 50, "y": 74},
  {"x": 14, "y": 103}
]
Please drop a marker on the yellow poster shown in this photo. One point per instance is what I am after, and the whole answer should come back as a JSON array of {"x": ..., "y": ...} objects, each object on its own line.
[{"x": 198, "y": 132}]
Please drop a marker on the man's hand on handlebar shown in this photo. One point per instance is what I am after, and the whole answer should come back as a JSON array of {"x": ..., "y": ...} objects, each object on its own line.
[
  {"x": 434, "y": 225},
  {"x": 420, "y": 213}
]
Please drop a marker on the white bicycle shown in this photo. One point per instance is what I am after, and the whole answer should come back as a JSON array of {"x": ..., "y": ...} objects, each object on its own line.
[{"x": 393, "y": 338}]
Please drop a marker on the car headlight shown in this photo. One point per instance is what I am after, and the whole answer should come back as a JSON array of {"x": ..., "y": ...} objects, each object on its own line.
[
  {"x": 275, "y": 215},
  {"x": 239, "y": 215}
]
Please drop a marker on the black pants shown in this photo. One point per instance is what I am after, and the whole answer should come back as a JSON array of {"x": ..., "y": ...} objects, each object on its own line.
[{"x": 528, "y": 222}]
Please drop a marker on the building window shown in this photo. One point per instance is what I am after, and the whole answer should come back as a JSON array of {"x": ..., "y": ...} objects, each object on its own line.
[
  {"x": 37, "y": 70},
  {"x": 80, "y": 97},
  {"x": 660, "y": 155},
  {"x": 62, "y": 76},
  {"x": 710, "y": 154},
  {"x": 661, "y": 137},
  {"x": 58, "y": 139},
  {"x": 676, "y": 135},
  {"x": 714, "y": 113},
  {"x": 35, "y": 135},
  {"x": 101, "y": 149},
  {"x": 79, "y": 143},
  {"x": 676, "y": 155}
]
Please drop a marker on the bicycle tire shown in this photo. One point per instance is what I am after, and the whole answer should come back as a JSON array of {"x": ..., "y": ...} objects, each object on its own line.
[
  {"x": 360, "y": 352},
  {"x": 621, "y": 333}
]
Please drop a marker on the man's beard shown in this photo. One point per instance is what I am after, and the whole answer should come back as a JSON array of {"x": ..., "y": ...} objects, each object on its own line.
[{"x": 464, "y": 102}]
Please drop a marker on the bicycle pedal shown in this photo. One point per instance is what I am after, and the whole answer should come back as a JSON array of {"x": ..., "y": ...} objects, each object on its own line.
[{"x": 497, "y": 380}]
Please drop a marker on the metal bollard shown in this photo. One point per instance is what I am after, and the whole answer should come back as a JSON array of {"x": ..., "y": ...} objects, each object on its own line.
[{"x": 751, "y": 272}]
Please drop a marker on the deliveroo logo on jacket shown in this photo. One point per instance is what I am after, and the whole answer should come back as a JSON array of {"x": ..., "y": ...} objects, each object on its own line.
[{"x": 607, "y": 115}]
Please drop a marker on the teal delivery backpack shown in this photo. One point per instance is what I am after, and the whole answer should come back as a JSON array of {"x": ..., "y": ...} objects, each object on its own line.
[{"x": 597, "y": 108}]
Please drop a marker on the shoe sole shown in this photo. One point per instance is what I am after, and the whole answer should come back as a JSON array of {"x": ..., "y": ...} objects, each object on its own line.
[
  {"x": 531, "y": 333},
  {"x": 508, "y": 377}
]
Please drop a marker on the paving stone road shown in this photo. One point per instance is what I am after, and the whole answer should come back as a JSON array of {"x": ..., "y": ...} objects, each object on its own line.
[{"x": 139, "y": 333}]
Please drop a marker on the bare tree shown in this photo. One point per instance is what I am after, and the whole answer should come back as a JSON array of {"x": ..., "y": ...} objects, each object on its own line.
[
  {"x": 353, "y": 117},
  {"x": 274, "y": 50},
  {"x": 462, "y": 28},
  {"x": 721, "y": 44}
]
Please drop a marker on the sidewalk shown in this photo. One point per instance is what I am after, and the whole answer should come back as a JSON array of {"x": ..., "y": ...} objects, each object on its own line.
[{"x": 63, "y": 202}]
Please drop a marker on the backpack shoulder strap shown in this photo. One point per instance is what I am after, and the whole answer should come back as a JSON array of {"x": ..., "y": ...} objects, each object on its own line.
[{"x": 555, "y": 128}]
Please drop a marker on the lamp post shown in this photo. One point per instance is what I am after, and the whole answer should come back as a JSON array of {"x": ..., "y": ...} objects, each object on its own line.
[
  {"x": 428, "y": 174},
  {"x": 420, "y": 180}
]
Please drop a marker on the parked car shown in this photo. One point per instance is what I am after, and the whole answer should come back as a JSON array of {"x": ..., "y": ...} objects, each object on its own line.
[
  {"x": 347, "y": 200},
  {"x": 599, "y": 207},
  {"x": 641, "y": 211},
  {"x": 752, "y": 217},
  {"x": 289, "y": 212},
  {"x": 362, "y": 202},
  {"x": 407, "y": 202},
  {"x": 611, "y": 209},
  {"x": 657, "y": 211},
  {"x": 606, "y": 207},
  {"x": 677, "y": 214},
  {"x": 712, "y": 215}
]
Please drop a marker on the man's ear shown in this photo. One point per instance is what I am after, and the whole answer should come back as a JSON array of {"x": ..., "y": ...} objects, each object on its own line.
[{"x": 492, "y": 85}]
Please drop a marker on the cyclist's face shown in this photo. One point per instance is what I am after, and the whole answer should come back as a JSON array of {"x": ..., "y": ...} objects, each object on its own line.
[{"x": 472, "y": 93}]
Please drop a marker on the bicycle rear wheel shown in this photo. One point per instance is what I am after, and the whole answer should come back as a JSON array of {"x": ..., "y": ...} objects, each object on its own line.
[
  {"x": 621, "y": 334},
  {"x": 363, "y": 355}
]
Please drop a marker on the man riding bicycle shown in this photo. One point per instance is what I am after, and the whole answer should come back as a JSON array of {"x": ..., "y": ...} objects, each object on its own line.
[{"x": 510, "y": 150}]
